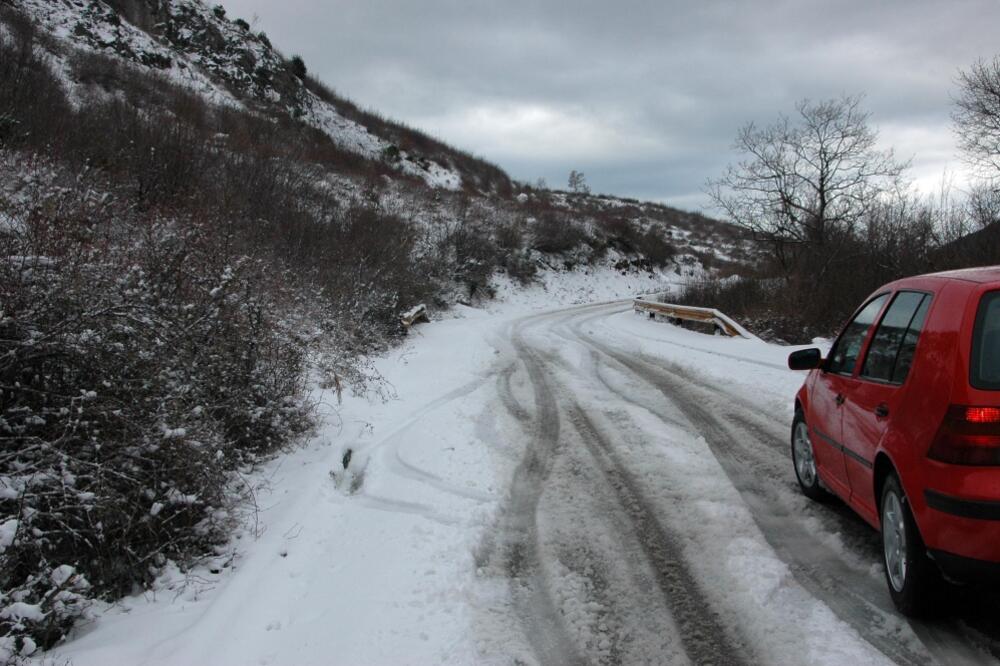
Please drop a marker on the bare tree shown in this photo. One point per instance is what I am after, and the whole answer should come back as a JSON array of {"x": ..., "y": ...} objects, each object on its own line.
[
  {"x": 808, "y": 181},
  {"x": 977, "y": 116},
  {"x": 977, "y": 124},
  {"x": 984, "y": 202},
  {"x": 578, "y": 182}
]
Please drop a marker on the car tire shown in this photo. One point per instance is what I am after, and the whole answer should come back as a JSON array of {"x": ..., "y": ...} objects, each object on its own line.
[
  {"x": 915, "y": 583},
  {"x": 804, "y": 460}
]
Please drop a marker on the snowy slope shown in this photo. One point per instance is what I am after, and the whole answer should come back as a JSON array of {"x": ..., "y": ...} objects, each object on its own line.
[
  {"x": 584, "y": 284},
  {"x": 203, "y": 51}
]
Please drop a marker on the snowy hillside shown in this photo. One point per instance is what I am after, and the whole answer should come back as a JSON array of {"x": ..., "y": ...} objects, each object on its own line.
[
  {"x": 219, "y": 58},
  {"x": 199, "y": 48}
]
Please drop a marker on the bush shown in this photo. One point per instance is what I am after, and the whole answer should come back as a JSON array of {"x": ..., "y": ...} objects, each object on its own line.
[
  {"x": 33, "y": 106},
  {"x": 153, "y": 339},
  {"x": 521, "y": 266},
  {"x": 139, "y": 368},
  {"x": 557, "y": 233},
  {"x": 510, "y": 235},
  {"x": 655, "y": 247},
  {"x": 816, "y": 289},
  {"x": 476, "y": 257},
  {"x": 297, "y": 67}
]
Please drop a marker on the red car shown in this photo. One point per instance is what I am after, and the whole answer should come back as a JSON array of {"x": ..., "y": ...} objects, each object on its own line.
[{"x": 902, "y": 422}]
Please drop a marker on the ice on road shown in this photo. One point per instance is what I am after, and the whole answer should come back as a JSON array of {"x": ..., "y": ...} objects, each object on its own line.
[{"x": 576, "y": 486}]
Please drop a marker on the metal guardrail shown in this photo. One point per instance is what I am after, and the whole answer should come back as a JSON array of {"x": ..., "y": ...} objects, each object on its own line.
[{"x": 721, "y": 321}]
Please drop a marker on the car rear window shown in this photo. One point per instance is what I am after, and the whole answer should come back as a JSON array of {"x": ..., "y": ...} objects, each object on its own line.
[
  {"x": 891, "y": 351},
  {"x": 985, "y": 370}
]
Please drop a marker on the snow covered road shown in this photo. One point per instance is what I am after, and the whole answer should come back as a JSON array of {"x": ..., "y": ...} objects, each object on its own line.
[
  {"x": 664, "y": 489},
  {"x": 578, "y": 486}
]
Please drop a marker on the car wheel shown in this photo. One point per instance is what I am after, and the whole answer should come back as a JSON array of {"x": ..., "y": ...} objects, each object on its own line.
[
  {"x": 804, "y": 460},
  {"x": 914, "y": 582}
]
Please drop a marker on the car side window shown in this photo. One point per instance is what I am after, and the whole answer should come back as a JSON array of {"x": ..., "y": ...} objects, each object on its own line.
[
  {"x": 848, "y": 346},
  {"x": 909, "y": 347},
  {"x": 895, "y": 340}
]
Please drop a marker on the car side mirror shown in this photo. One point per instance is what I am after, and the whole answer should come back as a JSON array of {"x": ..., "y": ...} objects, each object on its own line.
[{"x": 805, "y": 359}]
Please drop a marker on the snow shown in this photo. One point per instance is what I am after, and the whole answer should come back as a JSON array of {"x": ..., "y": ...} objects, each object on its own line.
[
  {"x": 61, "y": 574},
  {"x": 61, "y": 19},
  {"x": 377, "y": 575},
  {"x": 8, "y": 530},
  {"x": 383, "y": 562},
  {"x": 413, "y": 312},
  {"x": 598, "y": 283},
  {"x": 20, "y": 610}
]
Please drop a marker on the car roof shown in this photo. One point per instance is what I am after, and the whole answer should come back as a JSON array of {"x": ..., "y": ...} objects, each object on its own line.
[{"x": 978, "y": 274}]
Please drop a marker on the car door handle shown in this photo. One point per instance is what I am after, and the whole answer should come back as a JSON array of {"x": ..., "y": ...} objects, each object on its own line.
[
  {"x": 840, "y": 399},
  {"x": 882, "y": 411}
]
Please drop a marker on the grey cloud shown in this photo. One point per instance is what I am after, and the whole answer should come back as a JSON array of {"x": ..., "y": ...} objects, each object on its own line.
[{"x": 643, "y": 96}]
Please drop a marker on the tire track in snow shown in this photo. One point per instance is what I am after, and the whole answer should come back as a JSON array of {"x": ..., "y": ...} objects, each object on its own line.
[
  {"x": 821, "y": 570},
  {"x": 815, "y": 565},
  {"x": 598, "y": 578},
  {"x": 947, "y": 639},
  {"x": 701, "y": 634},
  {"x": 541, "y": 621},
  {"x": 704, "y": 637},
  {"x": 389, "y": 448},
  {"x": 506, "y": 392}
]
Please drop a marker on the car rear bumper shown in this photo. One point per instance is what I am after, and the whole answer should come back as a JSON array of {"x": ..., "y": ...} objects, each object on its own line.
[
  {"x": 966, "y": 569},
  {"x": 957, "y": 509},
  {"x": 960, "y": 526},
  {"x": 963, "y": 508}
]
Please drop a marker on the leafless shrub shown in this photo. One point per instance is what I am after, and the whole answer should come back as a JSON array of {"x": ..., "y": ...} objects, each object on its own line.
[
  {"x": 653, "y": 245},
  {"x": 556, "y": 233},
  {"x": 33, "y": 105},
  {"x": 139, "y": 366},
  {"x": 154, "y": 338},
  {"x": 510, "y": 234},
  {"x": 521, "y": 266},
  {"x": 897, "y": 237}
]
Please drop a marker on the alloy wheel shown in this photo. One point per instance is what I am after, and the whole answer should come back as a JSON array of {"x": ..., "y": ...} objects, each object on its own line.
[
  {"x": 894, "y": 540},
  {"x": 805, "y": 464}
]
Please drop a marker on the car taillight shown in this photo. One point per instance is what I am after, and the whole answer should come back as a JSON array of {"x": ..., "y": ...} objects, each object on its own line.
[
  {"x": 968, "y": 436},
  {"x": 982, "y": 414}
]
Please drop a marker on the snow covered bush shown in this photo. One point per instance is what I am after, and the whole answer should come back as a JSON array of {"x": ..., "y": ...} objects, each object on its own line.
[
  {"x": 554, "y": 232},
  {"x": 140, "y": 366}
]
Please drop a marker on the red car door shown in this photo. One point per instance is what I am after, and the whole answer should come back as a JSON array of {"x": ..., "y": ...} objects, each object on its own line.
[
  {"x": 828, "y": 394},
  {"x": 871, "y": 397},
  {"x": 825, "y": 425}
]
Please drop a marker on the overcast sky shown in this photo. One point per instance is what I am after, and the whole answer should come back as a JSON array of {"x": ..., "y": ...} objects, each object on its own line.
[{"x": 645, "y": 96}]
